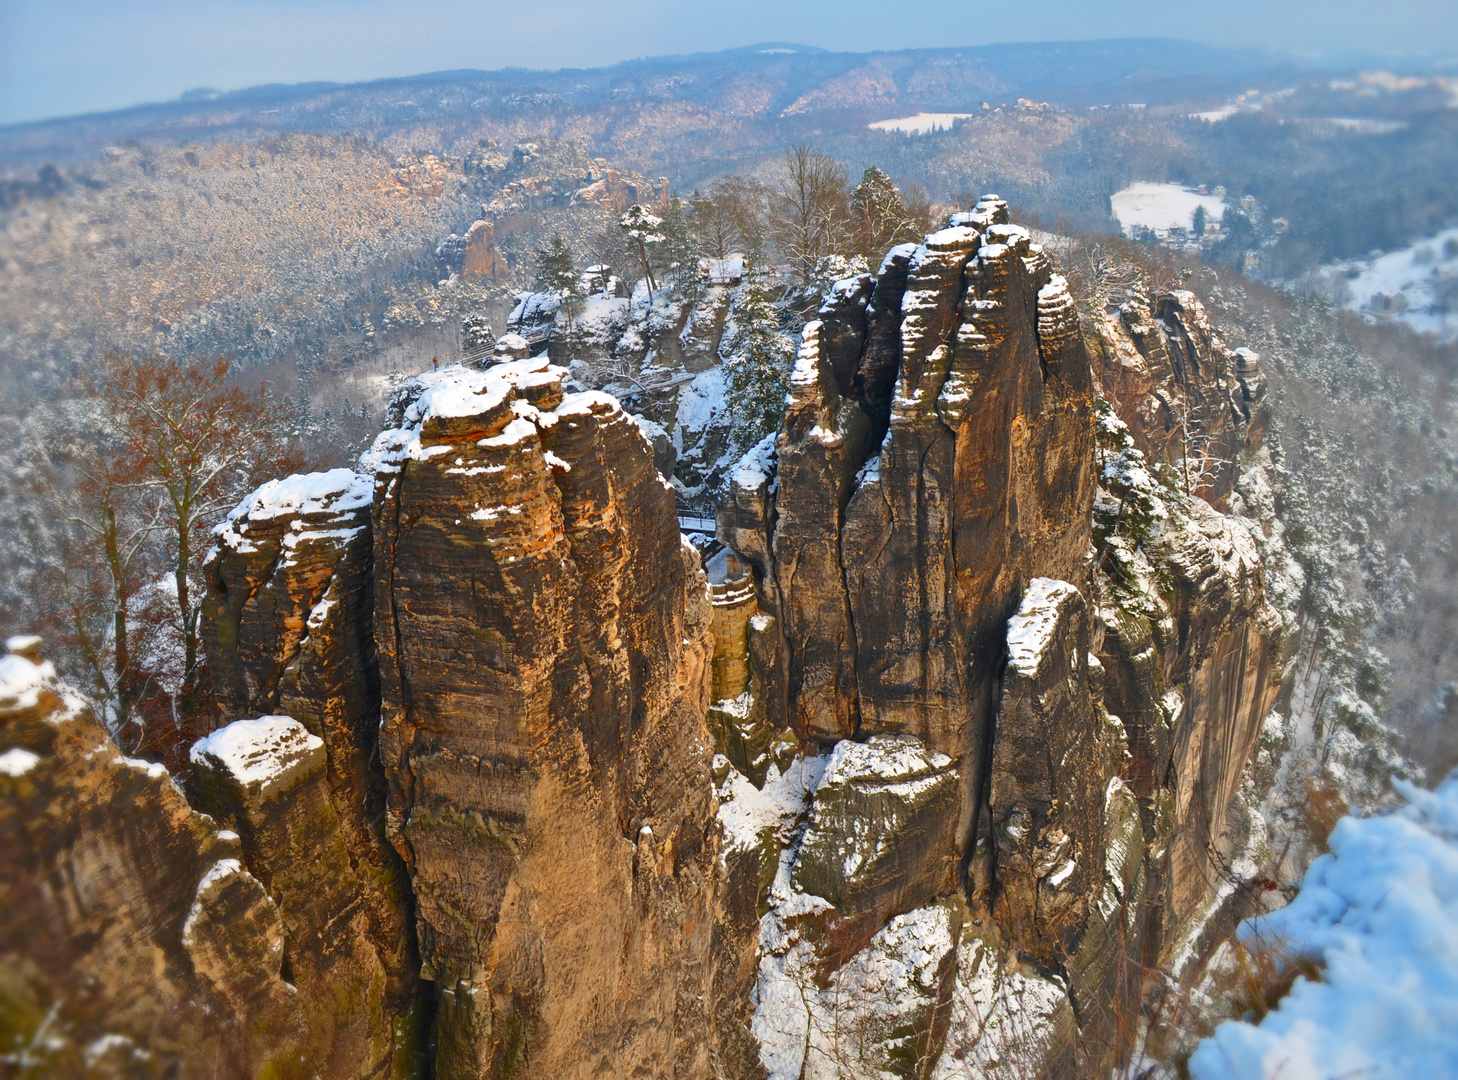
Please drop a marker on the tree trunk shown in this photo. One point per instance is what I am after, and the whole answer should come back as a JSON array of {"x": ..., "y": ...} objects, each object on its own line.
[
  {"x": 652, "y": 286},
  {"x": 121, "y": 650},
  {"x": 184, "y": 606}
]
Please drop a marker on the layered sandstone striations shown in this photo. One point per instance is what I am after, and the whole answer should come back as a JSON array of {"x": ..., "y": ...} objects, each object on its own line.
[
  {"x": 544, "y": 646},
  {"x": 287, "y": 620},
  {"x": 922, "y": 535},
  {"x": 266, "y": 778},
  {"x": 135, "y": 942}
]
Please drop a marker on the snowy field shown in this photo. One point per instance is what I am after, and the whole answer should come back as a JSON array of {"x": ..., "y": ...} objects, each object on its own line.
[
  {"x": 921, "y": 123},
  {"x": 1412, "y": 284},
  {"x": 1161, "y": 207},
  {"x": 1380, "y": 914}
]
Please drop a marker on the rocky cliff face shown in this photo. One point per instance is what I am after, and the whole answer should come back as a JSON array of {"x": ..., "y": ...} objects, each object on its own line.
[
  {"x": 1183, "y": 394},
  {"x": 136, "y": 942},
  {"x": 544, "y": 653},
  {"x": 927, "y": 790},
  {"x": 921, "y": 533},
  {"x": 288, "y": 621}
]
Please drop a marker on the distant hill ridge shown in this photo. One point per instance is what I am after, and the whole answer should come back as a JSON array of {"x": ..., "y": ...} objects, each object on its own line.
[{"x": 754, "y": 82}]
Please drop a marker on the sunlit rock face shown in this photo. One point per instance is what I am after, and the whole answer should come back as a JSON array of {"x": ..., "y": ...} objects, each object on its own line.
[
  {"x": 487, "y": 798},
  {"x": 288, "y": 624},
  {"x": 544, "y": 645},
  {"x": 920, "y": 531}
]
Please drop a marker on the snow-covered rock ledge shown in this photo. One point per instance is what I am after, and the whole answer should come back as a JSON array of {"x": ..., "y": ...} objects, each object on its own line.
[{"x": 1380, "y": 913}]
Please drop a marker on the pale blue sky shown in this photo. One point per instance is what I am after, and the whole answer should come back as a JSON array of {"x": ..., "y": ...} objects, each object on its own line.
[{"x": 59, "y": 57}]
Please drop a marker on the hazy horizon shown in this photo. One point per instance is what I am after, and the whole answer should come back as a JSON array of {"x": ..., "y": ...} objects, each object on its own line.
[{"x": 81, "y": 56}]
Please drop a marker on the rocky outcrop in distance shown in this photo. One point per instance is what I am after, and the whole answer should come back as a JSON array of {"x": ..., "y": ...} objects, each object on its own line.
[
  {"x": 923, "y": 776},
  {"x": 920, "y": 533}
]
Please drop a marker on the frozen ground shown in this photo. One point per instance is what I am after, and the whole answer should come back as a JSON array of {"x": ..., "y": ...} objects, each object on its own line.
[
  {"x": 1414, "y": 284},
  {"x": 1380, "y": 914},
  {"x": 921, "y": 123},
  {"x": 1161, "y": 207}
]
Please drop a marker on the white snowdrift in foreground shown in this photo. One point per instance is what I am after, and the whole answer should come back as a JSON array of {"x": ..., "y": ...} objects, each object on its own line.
[{"x": 1381, "y": 912}]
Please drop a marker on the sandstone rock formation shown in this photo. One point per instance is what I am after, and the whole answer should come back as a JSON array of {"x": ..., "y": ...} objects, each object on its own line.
[
  {"x": 943, "y": 760},
  {"x": 1184, "y": 395},
  {"x": 544, "y": 646},
  {"x": 920, "y": 531},
  {"x": 266, "y": 779},
  {"x": 288, "y": 625},
  {"x": 134, "y": 941}
]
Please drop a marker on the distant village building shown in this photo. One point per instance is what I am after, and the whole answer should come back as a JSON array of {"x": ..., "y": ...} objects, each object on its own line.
[{"x": 728, "y": 271}]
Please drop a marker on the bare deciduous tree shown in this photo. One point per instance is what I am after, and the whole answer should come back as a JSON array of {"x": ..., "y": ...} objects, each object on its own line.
[
  {"x": 198, "y": 442},
  {"x": 810, "y": 217}
]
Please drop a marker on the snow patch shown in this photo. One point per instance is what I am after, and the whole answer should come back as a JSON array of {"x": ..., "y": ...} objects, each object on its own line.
[
  {"x": 22, "y": 680},
  {"x": 266, "y": 752},
  {"x": 920, "y": 124},
  {"x": 1381, "y": 911},
  {"x": 1030, "y": 631},
  {"x": 218, "y": 873},
  {"x": 1162, "y": 207},
  {"x": 338, "y": 491},
  {"x": 17, "y": 762}
]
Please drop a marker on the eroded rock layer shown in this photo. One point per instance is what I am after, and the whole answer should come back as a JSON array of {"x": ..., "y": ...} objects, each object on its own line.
[
  {"x": 135, "y": 942},
  {"x": 544, "y": 645},
  {"x": 921, "y": 534}
]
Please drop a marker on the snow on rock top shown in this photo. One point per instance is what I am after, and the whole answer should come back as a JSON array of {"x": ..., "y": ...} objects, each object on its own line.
[
  {"x": 17, "y": 762},
  {"x": 746, "y": 811},
  {"x": 22, "y": 680},
  {"x": 469, "y": 396},
  {"x": 884, "y": 757},
  {"x": 756, "y": 466},
  {"x": 338, "y": 491},
  {"x": 1381, "y": 912},
  {"x": 900, "y": 251},
  {"x": 1030, "y": 631},
  {"x": 268, "y": 754},
  {"x": 458, "y": 402}
]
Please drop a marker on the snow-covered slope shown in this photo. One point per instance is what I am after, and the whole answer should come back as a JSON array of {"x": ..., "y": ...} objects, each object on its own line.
[{"x": 1380, "y": 914}]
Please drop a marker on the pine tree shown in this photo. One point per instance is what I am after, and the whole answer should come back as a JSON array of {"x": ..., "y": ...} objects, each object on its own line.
[
  {"x": 882, "y": 218},
  {"x": 645, "y": 229},
  {"x": 757, "y": 364},
  {"x": 680, "y": 249},
  {"x": 477, "y": 338},
  {"x": 557, "y": 274},
  {"x": 555, "y": 271}
]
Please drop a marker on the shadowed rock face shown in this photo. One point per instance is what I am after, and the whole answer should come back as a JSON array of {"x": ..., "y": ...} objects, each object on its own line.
[
  {"x": 920, "y": 533},
  {"x": 133, "y": 938},
  {"x": 544, "y": 647},
  {"x": 935, "y": 456},
  {"x": 1046, "y": 790},
  {"x": 1183, "y": 394},
  {"x": 880, "y": 838},
  {"x": 1193, "y": 671},
  {"x": 288, "y": 624}
]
